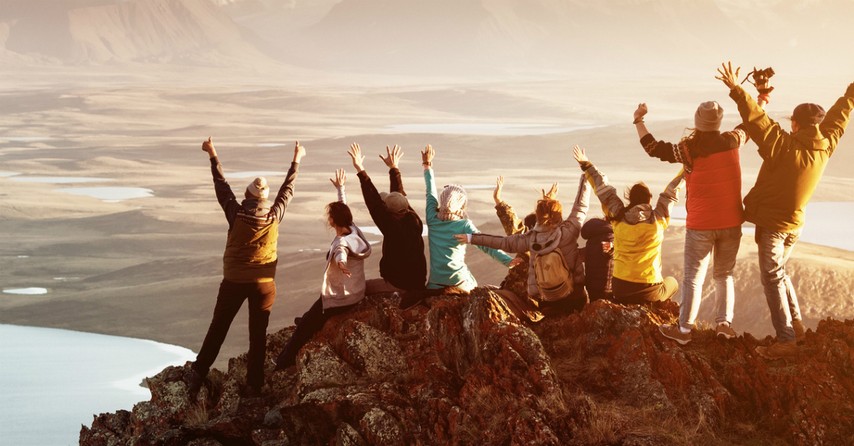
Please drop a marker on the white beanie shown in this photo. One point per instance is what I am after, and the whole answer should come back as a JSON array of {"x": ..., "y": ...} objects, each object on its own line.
[
  {"x": 708, "y": 117},
  {"x": 258, "y": 188},
  {"x": 452, "y": 203}
]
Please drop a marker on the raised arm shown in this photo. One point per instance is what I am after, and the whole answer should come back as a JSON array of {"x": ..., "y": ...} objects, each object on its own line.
[
  {"x": 611, "y": 202},
  {"x": 338, "y": 182},
  {"x": 765, "y": 132},
  {"x": 391, "y": 161},
  {"x": 506, "y": 215},
  {"x": 286, "y": 191},
  {"x": 836, "y": 119},
  {"x": 432, "y": 208},
  {"x": 224, "y": 194},
  {"x": 669, "y": 197},
  {"x": 376, "y": 206},
  {"x": 580, "y": 206}
]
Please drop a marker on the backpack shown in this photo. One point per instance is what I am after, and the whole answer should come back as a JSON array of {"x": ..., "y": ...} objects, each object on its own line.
[{"x": 554, "y": 278}]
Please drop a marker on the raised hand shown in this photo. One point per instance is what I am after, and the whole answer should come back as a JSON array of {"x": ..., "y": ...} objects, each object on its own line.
[
  {"x": 392, "y": 157},
  {"x": 496, "y": 194},
  {"x": 427, "y": 156},
  {"x": 208, "y": 147},
  {"x": 727, "y": 75},
  {"x": 299, "y": 152},
  {"x": 641, "y": 111},
  {"x": 579, "y": 154},
  {"x": 340, "y": 178},
  {"x": 355, "y": 153},
  {"x": 552, "y": 193}
]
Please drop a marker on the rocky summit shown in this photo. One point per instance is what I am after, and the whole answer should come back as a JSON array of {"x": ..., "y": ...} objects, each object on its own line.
[{"x": 464, "y": 370}]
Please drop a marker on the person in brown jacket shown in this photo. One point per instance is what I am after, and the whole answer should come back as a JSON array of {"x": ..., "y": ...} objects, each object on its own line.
[
  {"x": 792, "y": 165},
  {"x": 249, "y": 267}
]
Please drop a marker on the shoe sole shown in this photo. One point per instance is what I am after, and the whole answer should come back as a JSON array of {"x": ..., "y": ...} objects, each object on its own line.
[{"x": 726, "y": 336}]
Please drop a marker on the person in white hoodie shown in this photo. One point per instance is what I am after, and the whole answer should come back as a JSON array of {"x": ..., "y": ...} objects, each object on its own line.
[{"x": 343, "y": 278}]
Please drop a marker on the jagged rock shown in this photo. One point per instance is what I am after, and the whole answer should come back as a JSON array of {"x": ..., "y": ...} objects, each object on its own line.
[{"x": 466, "y": 371}]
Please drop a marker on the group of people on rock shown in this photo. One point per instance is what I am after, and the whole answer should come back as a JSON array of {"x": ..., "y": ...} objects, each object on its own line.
[{"x": 550, "y": 274}]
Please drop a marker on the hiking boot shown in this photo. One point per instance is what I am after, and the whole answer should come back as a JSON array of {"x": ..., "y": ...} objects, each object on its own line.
[
  {"x": 778, "y": 350},
  {"x": 410, "y": 299},
  {"x": 725, "y": 330},
  {"x": 800, "y": 329},
  {"x": 195, "y": 381},
  {"x": 672, "y": 331}
]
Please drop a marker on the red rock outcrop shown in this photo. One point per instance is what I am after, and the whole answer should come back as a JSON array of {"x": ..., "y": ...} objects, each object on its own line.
[{"x": 466, "y": 371}]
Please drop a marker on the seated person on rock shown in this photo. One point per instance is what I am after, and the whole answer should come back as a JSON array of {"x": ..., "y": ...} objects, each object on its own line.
[
  {"x": 638, "y": 233},
  {"x": 343, "y": 277},
  {"x": 598, "y": 256}
]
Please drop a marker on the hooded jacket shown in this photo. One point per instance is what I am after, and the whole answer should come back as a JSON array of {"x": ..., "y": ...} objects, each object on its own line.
[
  {"x": 640, "y": 231},
  {"x": 253, "y": 229},
  {"x": 792, "y": 164},
  {"x": 544, "y": 239},
  {"x": 403, "y": 263},
  {"x": 338, "y": 290}
]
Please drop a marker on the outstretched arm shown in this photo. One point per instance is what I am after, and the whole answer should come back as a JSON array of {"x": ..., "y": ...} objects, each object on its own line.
[
  {"x": 765, "y": 132},
  {"x": 432, "y": 209},
  {"x": 669, "y": 197},
  {"x": 580, "y": 206},
  {"x": 391, "y": 161},
  {"x": 376, "y": 206},
  {"x": 611, "y": 202},
  {"x": 836, "y": 119},
  {"x": 506, "y": 215},
  {"x": 640, "y": 112},
  {"x": 286, "y": 191},
  {"x": 496, "y": 254},
  {"x": 338, "y": 182},
  {"x": 224, "y": 194}
]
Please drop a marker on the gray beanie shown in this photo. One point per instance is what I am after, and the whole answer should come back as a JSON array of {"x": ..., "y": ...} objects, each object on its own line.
[
  {"x": 395, "y": 202},
  {"x": 258, "y": 188},
  {"x": 708, "y": 117}
]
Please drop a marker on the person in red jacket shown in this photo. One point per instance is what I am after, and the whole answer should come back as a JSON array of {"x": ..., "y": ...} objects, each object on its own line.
[{"x": 713, "y": 184}]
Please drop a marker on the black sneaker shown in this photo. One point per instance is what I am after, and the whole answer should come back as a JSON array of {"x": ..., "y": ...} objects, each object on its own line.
[{"x": 410, "y": 299}]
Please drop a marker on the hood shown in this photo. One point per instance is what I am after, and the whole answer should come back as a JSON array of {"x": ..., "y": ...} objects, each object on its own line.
[
  {"x": 638, "y": 213},
  {"x": 544, "y": 239},
  {"x": 360, "y": 247},
  {"x": 811, "y": 138},
  {"x": 255, "y": 206}
]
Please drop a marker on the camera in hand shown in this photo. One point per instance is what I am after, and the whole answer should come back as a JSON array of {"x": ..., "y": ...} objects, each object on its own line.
[{"x": 761, "y": 77}]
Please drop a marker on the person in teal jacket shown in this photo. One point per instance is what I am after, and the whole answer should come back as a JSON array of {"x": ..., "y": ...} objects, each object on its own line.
[{"x": 446, "y": 216}]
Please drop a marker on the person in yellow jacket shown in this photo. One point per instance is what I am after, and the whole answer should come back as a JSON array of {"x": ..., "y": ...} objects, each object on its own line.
[
  {"x": 638, "y": 233},
  {"x": 792, "y": 165}
]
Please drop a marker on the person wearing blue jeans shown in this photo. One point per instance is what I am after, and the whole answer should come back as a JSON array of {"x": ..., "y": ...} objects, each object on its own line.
[{"x": 774, "y": 251}]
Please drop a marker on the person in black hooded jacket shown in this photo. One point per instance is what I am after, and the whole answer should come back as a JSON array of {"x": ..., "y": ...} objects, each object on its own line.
[
  {"x": 598, "y": 258},
  {"x": 403, "y": 267}
]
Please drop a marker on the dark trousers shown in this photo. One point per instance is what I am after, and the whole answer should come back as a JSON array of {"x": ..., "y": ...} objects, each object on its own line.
[
  {"x": 310, "y": 323},
  {"x": 229, "y": 300},
  {"x": 573, "y": 303}
]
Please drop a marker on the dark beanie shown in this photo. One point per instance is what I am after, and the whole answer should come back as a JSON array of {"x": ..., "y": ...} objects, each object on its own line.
[
  {"x": 808, "y": 114},
  {"x": 639, "y": 194}
]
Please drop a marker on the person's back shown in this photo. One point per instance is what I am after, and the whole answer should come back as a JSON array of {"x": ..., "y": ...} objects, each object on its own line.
[{"x": 598, "y": 258}]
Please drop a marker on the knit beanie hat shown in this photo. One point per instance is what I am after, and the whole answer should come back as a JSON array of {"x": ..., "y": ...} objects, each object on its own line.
[
  {"x": 808, "y": 114},
  {"x": 258, "y": 188},
  {"x": 452, "y": 203},
  {"x": 395, "y": 202},
  {"x": 708, "y": 117}
]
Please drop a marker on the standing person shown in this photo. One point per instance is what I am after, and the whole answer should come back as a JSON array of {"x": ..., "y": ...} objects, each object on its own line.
[
  {"x": 343, "y": 278},
  {"x": 792, "y": 165},
  {"x": 713, "y": 189},
  {"x": 555, "y": 272},
  {"x": 446, "y": 216},
  {"x": 249, "y": 267},
  {"x": 598, "y": 258},
  {"x": 638, "y": 233},
  {"x": 403, "y": 267}
]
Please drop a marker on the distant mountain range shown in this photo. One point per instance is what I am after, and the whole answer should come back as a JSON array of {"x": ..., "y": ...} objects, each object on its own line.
[{"x": 416, "y": 36}]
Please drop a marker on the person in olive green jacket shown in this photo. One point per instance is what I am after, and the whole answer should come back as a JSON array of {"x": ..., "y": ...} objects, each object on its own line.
[{"x": 792, "y": 165}]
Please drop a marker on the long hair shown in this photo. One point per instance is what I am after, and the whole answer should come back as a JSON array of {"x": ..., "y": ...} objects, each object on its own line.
[
  {"x": 638, "y": 194},
  {"x": 340, "y": 214},
  {"x": 549, "y": 212}
]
